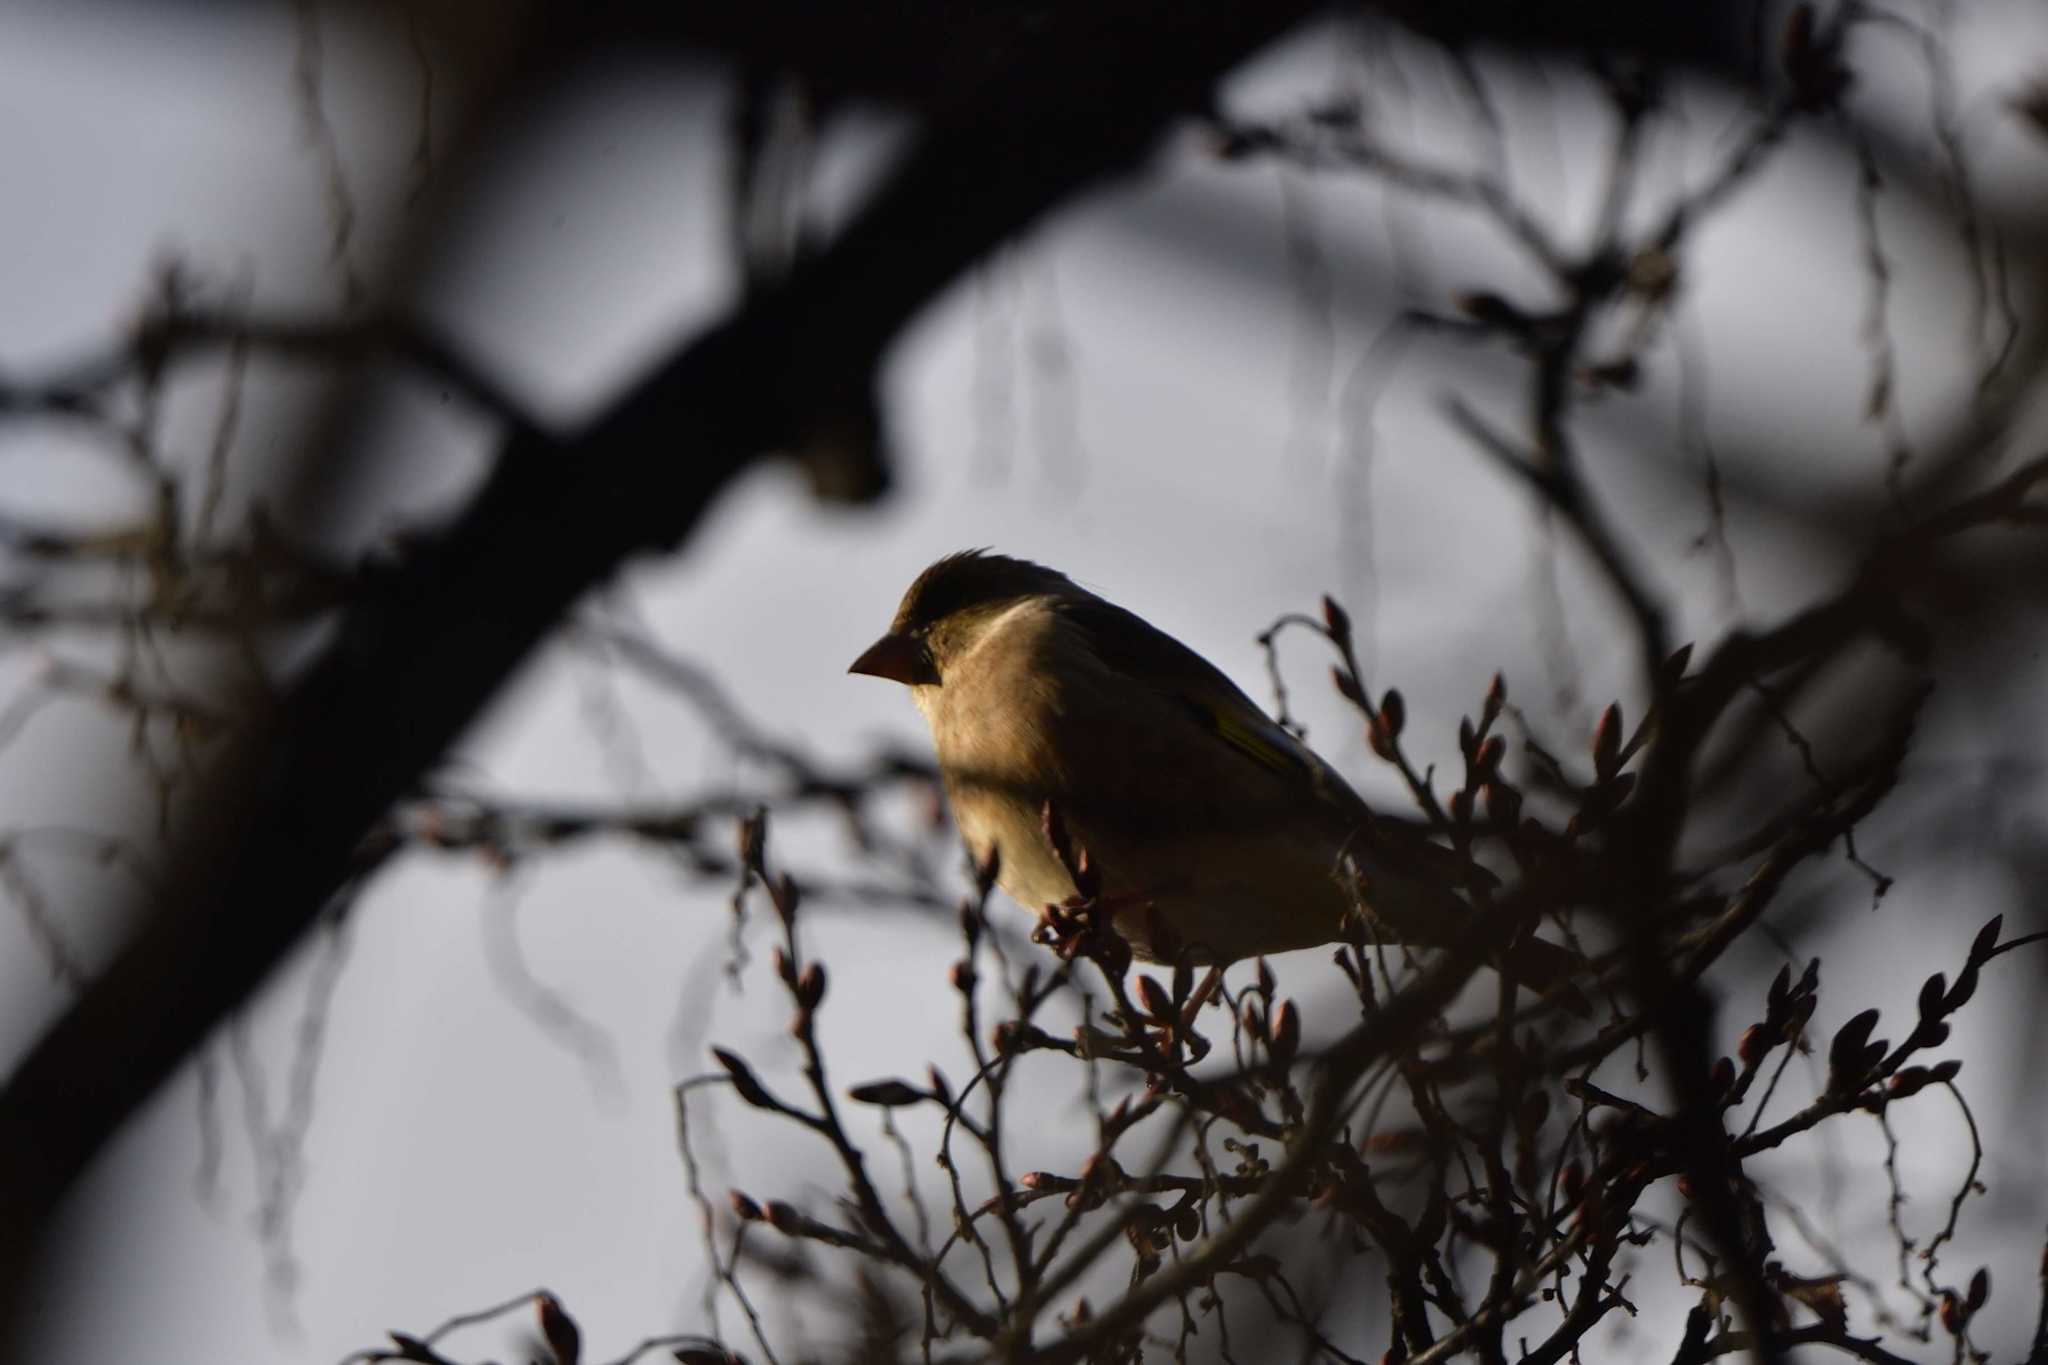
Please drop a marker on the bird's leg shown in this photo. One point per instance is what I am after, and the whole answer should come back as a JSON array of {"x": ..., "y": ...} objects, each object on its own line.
[{"x": 1085, "y": 926}]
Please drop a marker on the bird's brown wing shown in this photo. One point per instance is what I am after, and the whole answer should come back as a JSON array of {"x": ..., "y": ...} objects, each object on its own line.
[
  {"x": 1416, "y": 872},
  {"x": 1149, "y": 657}
]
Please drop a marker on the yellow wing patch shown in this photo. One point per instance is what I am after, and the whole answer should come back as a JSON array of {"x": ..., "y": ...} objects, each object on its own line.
[{"x": 1254, "y": 743}]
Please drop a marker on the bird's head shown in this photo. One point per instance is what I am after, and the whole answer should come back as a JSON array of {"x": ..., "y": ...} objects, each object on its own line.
[{"x": 943, "y": 613}]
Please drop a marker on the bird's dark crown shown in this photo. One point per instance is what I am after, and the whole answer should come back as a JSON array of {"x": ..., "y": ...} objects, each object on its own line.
[{"x": 972, "y": 579}]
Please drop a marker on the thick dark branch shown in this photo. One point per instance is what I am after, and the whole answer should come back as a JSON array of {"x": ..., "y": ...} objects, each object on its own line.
[{"x": 418, "y": 657}]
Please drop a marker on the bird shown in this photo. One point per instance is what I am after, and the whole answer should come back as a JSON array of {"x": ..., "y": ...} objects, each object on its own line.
[{"x": 1216, "y": 833}]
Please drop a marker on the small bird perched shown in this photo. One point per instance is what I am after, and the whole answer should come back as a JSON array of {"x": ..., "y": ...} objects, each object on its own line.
[{"x": 1186, "y": 796}]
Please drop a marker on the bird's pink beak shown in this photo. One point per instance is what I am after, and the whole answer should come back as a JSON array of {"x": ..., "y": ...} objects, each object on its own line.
[{"x": 898, "y": 658}]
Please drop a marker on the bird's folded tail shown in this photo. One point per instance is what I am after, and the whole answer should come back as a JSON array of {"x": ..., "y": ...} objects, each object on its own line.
[{"x": 1547, "y": 969}]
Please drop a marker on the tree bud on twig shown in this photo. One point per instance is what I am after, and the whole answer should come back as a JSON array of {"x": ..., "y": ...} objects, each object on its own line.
[
  {"x": 1156, "y": 1002},
  {"x": 743, "y": 1207},
  {"x": 1286, "y": 1040},
  {"x": 744, "y": 1081},
  {"x": 810, "y": 987},
  {"x": 706, "y": 1355},
  {"x": 1986, "y": 941},
  {"x": 412, "y": 1348},
  {"x": 1851, "y": 1055},
  {"x": 1802, "y": 1012},
  {"x": 1394, "y": 712},
  {"x": 1496, "y": 698},
  {"x": 890, "y": 1094},
  {"x": 1607, "y": 742},
  {"x": 1781, "y": 989},
  {"x": 1337, "y": 621},
  {"x": 559, "y": 1330},
  {"x": 1933, "y": 996},
  {"x": 1909, "y": 1081}
]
